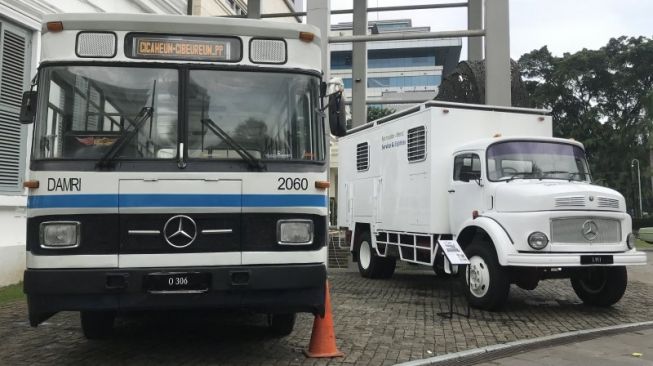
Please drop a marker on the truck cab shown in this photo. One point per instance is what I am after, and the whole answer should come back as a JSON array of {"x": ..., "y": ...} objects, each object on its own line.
[{"x": 533, "y": 199}]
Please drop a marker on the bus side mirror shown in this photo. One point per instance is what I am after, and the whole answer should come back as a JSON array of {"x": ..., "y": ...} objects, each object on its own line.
[
  {"x": 337, "y": 114},
  {"x": 28, "y": 107}
]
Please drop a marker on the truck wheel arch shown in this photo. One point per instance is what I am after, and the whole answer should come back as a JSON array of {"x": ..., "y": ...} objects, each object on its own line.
[{"x": 490, "y": 229}]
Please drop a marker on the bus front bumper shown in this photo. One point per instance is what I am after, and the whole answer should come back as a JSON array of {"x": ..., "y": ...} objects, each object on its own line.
[{"x": 262, "y": 288}]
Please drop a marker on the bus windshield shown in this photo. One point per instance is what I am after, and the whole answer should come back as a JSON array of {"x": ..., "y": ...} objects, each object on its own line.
[
  {"x": 536, "y": 160},
  {"x": 84, "y": 110}
]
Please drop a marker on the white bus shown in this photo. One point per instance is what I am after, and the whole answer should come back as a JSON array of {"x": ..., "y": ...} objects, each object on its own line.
[{"x": 177, "y": 162}]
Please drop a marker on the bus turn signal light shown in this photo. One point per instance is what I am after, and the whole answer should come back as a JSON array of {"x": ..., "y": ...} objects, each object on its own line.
[
  {"x": 306, "y": 36},
  {"x": 31, "y": 184},
  {"x": 321, "y": 184},
  {"x": 55, "y": 26}
]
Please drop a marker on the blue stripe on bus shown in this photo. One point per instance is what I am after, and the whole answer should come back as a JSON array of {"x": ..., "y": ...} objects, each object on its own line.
[{"x": 176, "y": 200}]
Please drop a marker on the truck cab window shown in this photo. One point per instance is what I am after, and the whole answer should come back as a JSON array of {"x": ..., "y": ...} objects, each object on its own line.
[{"x": 466, "y": 167}]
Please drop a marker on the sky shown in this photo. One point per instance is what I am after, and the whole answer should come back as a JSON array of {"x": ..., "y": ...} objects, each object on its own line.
[{"x": 562, "y": 25}]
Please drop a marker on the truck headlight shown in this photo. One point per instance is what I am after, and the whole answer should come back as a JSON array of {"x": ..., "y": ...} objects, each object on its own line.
[
  {"x": 295, "y": 232},
  {"x": 59, "y": 234},
  {"x": 631, "y": 240},
  {"x": 538, "y": 240}
]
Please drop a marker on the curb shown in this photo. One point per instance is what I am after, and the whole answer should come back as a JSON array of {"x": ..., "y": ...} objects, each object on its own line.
[{"x": 484, "y": 354}]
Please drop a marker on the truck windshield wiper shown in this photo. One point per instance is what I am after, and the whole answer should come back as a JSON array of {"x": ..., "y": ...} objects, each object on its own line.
[
  {"x": 143, "y": 115},
  {"x": 246, "y": 155},
  {"x": 517, "y": 174}
]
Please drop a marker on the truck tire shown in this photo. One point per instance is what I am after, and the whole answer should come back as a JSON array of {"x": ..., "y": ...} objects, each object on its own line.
[
  {"x": 97, "y": 324},
  {"x": 281, "y": 324},
  {"x": 600, "y": 286},
  {"x": 490, "y": 283},
  {"x": 371, "y": 265}
]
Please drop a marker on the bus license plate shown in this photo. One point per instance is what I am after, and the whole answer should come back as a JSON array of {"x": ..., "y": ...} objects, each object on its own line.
[
  {"x": 596, "y": 259},
  {"x": 178, "y": 282}
]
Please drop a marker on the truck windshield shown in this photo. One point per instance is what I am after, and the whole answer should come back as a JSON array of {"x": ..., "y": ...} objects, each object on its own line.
[
  {"x": 536, "y": 160},
  {"x": 85, "y": 110}
]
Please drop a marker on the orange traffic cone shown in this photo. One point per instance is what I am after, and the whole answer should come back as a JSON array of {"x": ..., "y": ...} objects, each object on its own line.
[{"x": 323, "y": 338}]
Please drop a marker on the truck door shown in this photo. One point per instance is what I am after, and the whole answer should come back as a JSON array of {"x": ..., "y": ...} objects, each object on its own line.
[
  {"x": 179, "y": 223},
  {"x": 465, "y": 192}
]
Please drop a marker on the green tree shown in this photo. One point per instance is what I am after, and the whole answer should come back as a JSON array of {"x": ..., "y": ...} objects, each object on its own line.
[
  {"x": 374, "y": 113},
  {"x": 604, "y": 99}
]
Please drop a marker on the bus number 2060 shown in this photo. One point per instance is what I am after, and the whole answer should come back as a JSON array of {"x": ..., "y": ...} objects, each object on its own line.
[{"x": 289, "y": 184}]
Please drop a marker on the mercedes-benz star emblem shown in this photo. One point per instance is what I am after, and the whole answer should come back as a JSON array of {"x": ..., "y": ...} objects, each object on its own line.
[
  {"x": 180, "y": 231},
  {"x": 590, "y": 230}
]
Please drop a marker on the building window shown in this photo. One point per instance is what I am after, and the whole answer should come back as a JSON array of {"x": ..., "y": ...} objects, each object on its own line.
[
  {"x": 399, "y": 81},
  {"x": 362, "y": 156},
  {"x": 14, "y": 60},
  {"x": 416, "y": 144}
]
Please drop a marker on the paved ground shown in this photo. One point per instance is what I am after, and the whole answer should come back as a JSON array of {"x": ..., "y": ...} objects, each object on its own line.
[
  {"x": 633, "y": 348},
  {"x": 377, "y": 322}
]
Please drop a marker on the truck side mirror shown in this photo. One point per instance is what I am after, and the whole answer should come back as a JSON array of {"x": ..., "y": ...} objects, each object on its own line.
[
  {"x": 28, "y": 107},
  {"x": 337, "y": 114}
]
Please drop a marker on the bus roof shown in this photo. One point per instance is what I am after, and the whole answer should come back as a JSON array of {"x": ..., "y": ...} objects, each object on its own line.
[{"x": 179, "y": 24}]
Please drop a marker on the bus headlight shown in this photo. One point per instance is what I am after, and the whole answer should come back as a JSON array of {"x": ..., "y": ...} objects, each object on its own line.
[
  {"x": 59, "y": 234},
  {"x": 295, "y": 232},
  {"x": 631, "y": 240},
  {"x": 538, "y": 240}
]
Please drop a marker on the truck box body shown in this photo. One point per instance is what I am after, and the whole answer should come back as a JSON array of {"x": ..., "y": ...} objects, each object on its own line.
[{"x": 412, "y": 195}]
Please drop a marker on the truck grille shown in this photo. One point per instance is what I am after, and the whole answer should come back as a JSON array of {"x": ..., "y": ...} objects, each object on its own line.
[
  {"x": 604, "y": 202},
  {"x": 585, "y": 230},
  {"x": 572, "y": 201}
]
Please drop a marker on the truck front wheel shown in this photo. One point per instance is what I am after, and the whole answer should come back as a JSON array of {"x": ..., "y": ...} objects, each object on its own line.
[
  {"x": 489, "y": 283},
  {"x": 371, "y": 265},
  {"x": 600, "y": 286}
]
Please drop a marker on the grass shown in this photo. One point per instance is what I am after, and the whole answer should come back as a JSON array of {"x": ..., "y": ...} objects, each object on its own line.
[{"x": 11, "y": 293}]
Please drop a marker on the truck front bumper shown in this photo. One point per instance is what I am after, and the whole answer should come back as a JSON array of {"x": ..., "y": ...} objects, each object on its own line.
[
  {"x": 629, "y": 258},
  {"x": 261, "y": 288}
]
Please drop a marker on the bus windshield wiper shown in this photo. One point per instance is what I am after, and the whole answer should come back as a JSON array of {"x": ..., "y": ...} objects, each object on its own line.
[
  {"x": 246, "y": 155},
  {"x": 143, "y": 115}
]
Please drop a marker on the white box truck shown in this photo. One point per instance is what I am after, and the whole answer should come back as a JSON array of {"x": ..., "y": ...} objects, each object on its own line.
[{"x": 519, "y": 202}]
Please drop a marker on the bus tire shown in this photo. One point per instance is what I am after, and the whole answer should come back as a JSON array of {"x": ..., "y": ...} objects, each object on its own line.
[
  {"x": 370, "y": 265},
  {"x": 281, "y": 324},
  {"x": 600, "y": 286},
  {"x": 97, "y": 324},
  {"x": 489, "y": 282}
]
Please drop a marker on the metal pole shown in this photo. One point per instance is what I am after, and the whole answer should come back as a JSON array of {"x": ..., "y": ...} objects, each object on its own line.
[
  {"x": 372, "y": 10},
  {"x": 317, "y": 14},
  {"x": 359, "y": 65},
  {"x": 475, "y": 21},
  {"x": 639, "y": 185},
  {"x": 254, "y": 9},
  {"x": 189, "y": 7},
  {"x": 406, "y": 36},
  {"x": 497, "y": 53}
]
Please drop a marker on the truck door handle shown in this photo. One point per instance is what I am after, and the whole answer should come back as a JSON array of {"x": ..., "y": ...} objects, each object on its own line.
[{"x": 451, "y": 191}]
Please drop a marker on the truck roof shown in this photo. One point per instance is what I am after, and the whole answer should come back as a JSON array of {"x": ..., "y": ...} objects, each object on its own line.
[
  {"x": 482, "y": 144},
  {"x": 441, "y": 104},
  {"x": 178, "y": 24}
]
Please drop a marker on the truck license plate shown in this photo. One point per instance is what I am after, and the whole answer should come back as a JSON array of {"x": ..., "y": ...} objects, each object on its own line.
[
  {"x": 178, "y": 282},
  {"x": 596, "y": 259}
]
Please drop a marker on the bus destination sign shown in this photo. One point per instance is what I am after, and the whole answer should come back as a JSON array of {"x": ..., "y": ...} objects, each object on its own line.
[{"x": 186, "y": 48}]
